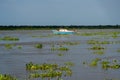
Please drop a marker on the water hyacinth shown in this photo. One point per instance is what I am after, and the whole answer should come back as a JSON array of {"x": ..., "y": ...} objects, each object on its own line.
[
  {"x": 39, "y": 46},
  {"x": 7, "y": 77},
  {"x": 97, "y": 47},
  {"x": 105, "y": 64},
  {"x": 98, "y": 42},
  {"x": 46, "y": 70},
  {"x": 60, "y": 48},
  {"x": 8, "y": 46},
  {"x": 9, "y": 38}
]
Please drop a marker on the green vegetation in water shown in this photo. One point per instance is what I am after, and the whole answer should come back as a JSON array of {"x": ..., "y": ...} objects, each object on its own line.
[
  {"x": 91, "y": 34},
  {"x": 7, "y": 77},
  {"x": 118, "y": 50},
  {"x": 94, "y": 62},
  {"x": 110, "y": 65},
  {"x": 97, "y": 47},
  {"x": 100, "y": 52},
  {"x": 105, "y": 64},
  {"x": 43, "y": 36},
  {"x": 60, "y": 48},
  {"x": 71, "y": 43},
  {"x": 98, "y": 42},
  {"x": 49, "y": 71},
  {"x": 19, "y": 47},
  {"x": 9, "y": 38},
  {"x": 69, "y": 63},
  {"x": 40, "y": 46},
  {"x": 115, "y": 34},
  {"x": 8, "y": 46},
  {"x": 60, "y": 54}
]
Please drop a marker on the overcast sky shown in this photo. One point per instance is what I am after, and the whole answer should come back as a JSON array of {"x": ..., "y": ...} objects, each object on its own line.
[{"x": 59, "y": 12}]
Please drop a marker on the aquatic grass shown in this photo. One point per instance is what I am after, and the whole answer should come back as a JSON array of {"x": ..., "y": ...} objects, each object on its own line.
[
  {"x": 91, "y": 34},
  {"x": 118, "y": 50},
  {"x": 47, "y": 70},
  {"x": 105, "y": 64},
  {"x": 7, "y": 77},
  {"x": 100, "y": 52},
  {"x": 71, "y": 43},
  {"x": 43, "y": 36},
  {"x": 63, "y": 49},
  {"x": 94, "y": 62},
  {"x": 59, "y": 48},
  {"x": 97, "y": 47},
  {"x": 69, "y": 63},
  {"x": 60, "y": 54},
  {"x": 9, "y": 38},
  {"x": 19, "y": 47},
  {"x": 115, "y": 34},
  {"x": 8, "y": 46},
  {"x": 40, "y": 46},
  {"x": 98, "y": 42}
]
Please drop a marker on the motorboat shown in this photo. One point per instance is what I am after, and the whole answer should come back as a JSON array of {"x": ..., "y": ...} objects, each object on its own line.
[{"x": 63, "y": 31}]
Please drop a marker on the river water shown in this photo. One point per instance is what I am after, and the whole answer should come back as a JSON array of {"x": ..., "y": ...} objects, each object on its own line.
[{"x": 13, "y": 61}]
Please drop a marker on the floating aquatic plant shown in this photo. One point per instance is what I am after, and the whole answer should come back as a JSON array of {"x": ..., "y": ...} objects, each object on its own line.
[
  {"x": 105, "y": 64},
  {"x": 7, "y": 77},
  {"x": 71, "y": 43},
  {"x": 60, "y": 48},
  {"x": 8, "y": 46},
  {"x": 94, "y": 62},
  {"x": 97, "y": 47},
  {"x": 69, "y": 63},
  {"x": 19, "y": 47},
  {"x": 9, "y": 38},
  {"x": 100, "y": 52},
  {"x": 46, "y": 70},
  {"x": 60, "y": 54},
  {"x": 98, "y": 42},
  {"x": 118, "y": 50},
  {"x": 39, "y": 46}
]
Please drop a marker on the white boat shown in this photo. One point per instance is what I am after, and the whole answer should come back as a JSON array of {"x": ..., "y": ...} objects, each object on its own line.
[{"x": 63, "y": 31}]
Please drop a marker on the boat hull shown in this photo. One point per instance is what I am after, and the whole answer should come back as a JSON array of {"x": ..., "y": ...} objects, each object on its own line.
[{"x": 62, "y": 32}]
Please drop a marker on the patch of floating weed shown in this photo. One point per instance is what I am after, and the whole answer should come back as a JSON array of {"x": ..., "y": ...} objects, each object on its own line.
[
  {"x": 110, "y": 65},
  {"x": 98, "y": 42},
  {"x": 111, "y": 79},
  {"x": 19, "y": 47},
  {"x": 60, "y": 54},
  {"x": 94, "y": 62},
  {"x": 9, "y": 38},
  {"x": 100, "y": 52},
  {"x": 8, "y": 46},
  {"x": 97, "y": 47},
  {"x": 118, "y": 50},
  {"x": 59, "y": 48},
  {"x": 69, "y": 63},
  {"x": 115, "y": 34},
  {"x": 63, "y": 49},
  {"x": 105, "y": 64},
  {"x": 71, "y": 43},
  {"x": 49, "y": 71},
  {"x": 92, "y": 34},
  {"x": 42, "y": 36},
  {"x": 7, "y": 77},
  {"x": 39, "y": 46}
]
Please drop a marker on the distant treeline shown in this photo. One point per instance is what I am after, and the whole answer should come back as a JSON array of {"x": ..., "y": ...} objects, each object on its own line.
[{"x": 27, "y": 27}]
